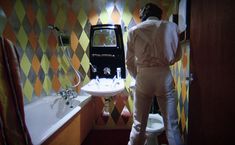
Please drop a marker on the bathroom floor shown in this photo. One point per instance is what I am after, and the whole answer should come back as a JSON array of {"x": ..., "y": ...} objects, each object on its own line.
[{"x": 113, "y": 137}]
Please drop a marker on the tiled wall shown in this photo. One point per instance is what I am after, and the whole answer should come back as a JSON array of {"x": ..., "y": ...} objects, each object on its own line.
[
  {"x": 180, "y": 72},
  {"x": 44, "y": 66}
]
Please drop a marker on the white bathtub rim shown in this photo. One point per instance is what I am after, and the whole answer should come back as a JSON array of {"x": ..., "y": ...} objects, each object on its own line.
[{"x": 39, "y": 139}]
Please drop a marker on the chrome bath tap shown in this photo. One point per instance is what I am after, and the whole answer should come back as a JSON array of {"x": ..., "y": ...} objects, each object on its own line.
[{"x": 67, "y": 95}]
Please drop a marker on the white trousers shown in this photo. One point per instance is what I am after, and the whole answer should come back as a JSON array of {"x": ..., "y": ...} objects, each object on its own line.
[{"x": 150, "y": 82}]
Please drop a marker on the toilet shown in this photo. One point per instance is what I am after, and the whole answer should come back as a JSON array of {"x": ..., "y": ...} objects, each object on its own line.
[{"x": 155, "y": 127}]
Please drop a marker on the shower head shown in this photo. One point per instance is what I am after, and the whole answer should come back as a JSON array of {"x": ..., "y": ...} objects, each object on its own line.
[{"x": 53, "y": 27}]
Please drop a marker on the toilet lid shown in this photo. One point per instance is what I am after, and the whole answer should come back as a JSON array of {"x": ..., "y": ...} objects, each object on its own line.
[
  {"x": 155, "y": 123},
  {"x": 155, "y": 127}
]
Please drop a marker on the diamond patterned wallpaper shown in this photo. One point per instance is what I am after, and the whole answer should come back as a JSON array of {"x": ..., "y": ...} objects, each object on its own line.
[
  {"x": 44, "y": 68},
  {"x": 180, "y": 72}
]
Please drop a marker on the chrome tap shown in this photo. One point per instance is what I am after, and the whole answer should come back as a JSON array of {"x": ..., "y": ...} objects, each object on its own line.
[
  {"x": 97, "y": 80},
  {"x": 67, "y": 95},
  {"x": 114, "y": 79}
]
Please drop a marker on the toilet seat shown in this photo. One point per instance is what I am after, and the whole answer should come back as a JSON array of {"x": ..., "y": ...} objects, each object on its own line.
[{"x": 155, "y": 124}]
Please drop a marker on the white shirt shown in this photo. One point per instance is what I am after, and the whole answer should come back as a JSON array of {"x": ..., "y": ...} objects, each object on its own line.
[{"x": 152, "y": 43}]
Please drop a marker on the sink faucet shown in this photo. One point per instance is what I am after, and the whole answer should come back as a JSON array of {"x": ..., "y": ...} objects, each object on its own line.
[
  {"x": 114, "y": 78},
  {"x": 115, "y": 81},
  {"x": 97, "y": 80}
]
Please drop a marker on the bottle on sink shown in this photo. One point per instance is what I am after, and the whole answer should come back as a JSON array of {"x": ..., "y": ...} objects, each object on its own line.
[{"x": 118, "y": 73}]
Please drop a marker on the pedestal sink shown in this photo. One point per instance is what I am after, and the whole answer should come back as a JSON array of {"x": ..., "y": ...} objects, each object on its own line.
[{"x": 105, "y": 87}]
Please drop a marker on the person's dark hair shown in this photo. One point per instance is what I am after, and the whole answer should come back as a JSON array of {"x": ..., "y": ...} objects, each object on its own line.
[{"x": 150, "y": 9}]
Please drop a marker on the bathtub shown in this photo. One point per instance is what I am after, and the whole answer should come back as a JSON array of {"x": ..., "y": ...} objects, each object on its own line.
[{"x": 46, "y": 115}]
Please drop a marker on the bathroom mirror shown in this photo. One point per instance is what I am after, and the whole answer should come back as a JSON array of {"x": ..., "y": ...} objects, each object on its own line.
[
  {"x": 106, "y": 51},
  {"x": 104, "y": 38}
]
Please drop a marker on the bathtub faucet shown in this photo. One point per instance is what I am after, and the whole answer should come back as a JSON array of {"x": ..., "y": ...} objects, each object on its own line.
[{"x": 68, "y": 95}]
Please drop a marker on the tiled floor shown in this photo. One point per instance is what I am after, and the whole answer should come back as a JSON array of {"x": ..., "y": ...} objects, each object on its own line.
[{"x": 113, "y": 137}]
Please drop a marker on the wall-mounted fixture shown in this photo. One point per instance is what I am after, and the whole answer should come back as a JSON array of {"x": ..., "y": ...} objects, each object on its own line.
[
  {"x": 64, "y": 41},
  {"x": 106, "y": 51},
  {"x": 107, "y": 63}
]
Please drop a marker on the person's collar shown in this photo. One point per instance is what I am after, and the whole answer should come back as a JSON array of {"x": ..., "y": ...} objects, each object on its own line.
[{"x": 152, "y": 18}]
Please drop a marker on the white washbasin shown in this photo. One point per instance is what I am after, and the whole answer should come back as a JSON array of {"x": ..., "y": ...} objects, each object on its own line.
[{"x": 104, "y": 87}]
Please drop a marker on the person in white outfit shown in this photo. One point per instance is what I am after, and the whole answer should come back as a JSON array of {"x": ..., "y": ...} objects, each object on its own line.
[{"x": 152, "y": 46}]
